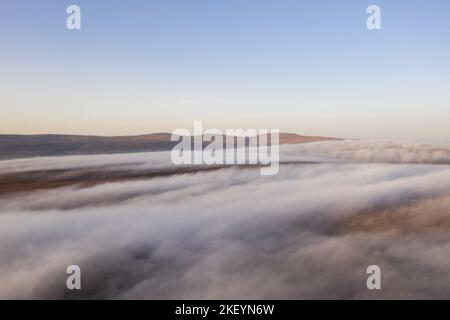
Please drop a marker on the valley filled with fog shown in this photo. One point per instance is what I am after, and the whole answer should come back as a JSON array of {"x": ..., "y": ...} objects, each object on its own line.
[{"x": 142, "y": 227}]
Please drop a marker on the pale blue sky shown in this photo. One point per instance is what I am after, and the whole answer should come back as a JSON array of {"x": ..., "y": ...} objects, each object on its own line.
[{"x": 310, "y": 67}]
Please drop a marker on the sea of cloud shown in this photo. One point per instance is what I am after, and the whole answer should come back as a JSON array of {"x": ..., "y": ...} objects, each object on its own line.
[{"x": 308, "y": 232}]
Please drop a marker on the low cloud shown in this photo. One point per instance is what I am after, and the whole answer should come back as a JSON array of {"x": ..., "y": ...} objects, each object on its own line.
[{"x": 308, "y": 232}]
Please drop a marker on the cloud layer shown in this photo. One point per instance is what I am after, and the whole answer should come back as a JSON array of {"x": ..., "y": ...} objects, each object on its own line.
[{"x": 308, "y": 232}]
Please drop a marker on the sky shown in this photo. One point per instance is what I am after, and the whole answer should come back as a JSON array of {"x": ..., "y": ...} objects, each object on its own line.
[{"x": 309, "y": 67}]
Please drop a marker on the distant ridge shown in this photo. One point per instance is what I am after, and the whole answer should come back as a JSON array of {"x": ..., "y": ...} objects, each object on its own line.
[{"x": 26, "y": 146}]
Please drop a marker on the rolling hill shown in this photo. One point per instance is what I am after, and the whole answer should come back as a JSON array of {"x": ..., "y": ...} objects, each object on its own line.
[{"x": 26, "y": 146}]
